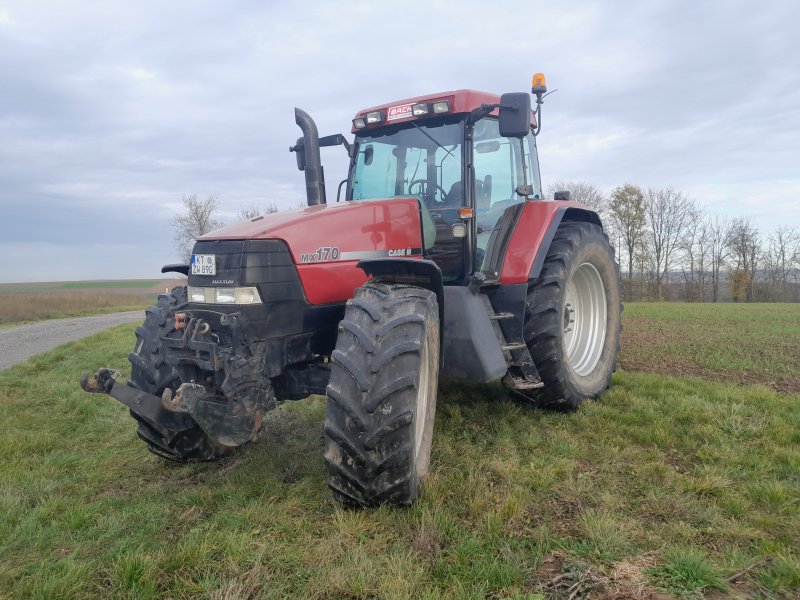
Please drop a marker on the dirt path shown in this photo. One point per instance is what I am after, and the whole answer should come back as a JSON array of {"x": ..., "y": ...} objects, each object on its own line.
[{"x": 20, "y": 343}]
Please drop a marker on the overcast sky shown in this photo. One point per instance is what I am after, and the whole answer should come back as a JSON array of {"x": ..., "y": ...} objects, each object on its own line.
[{"x": 110, "y": 112}]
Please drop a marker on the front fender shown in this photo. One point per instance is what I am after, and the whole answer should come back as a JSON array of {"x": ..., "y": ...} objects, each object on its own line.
[{"x": 420, "y": 272}]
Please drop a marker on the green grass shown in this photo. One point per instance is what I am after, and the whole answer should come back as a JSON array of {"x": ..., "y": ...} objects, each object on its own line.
[
  {"x": 667, "y": 483},
  {"x": 743, "y": 343},
  {"x": 109, "y": 284}
]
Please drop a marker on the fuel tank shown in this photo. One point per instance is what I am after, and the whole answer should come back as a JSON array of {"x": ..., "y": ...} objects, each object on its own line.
[{"x": 326, "y": 241}]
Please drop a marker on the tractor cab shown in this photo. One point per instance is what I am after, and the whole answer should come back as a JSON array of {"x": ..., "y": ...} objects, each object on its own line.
[{"x": 447, "y": 151}]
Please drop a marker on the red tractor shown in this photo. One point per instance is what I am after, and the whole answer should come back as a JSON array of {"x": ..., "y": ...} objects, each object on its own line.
[{"x": 442, "y": 261}]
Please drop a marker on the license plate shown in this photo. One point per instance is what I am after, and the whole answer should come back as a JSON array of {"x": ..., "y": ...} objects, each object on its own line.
[{"x": 204, "y": 264}]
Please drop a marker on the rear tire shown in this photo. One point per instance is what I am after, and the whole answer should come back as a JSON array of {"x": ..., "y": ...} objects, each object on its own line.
[
  {"x": 573, "y": 317},
  {"x": 382, "y": 395},
  {"x": 151, "y": 373}
]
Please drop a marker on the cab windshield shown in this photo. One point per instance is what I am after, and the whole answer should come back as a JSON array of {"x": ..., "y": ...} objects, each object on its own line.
[{"x": 411, "y": 159}]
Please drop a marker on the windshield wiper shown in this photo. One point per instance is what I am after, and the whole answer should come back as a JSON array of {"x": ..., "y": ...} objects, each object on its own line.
[{"x": 431, "y": 138}]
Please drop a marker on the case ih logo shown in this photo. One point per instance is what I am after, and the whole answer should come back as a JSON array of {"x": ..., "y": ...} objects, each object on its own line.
[{"x": 399, "y": 112}]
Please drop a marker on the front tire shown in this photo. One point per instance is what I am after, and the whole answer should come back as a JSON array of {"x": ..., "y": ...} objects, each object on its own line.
[
  {"x": 382, "y": 395},
  {"x": 573, "y": 317},
  {"x": 151, "y": 373}
]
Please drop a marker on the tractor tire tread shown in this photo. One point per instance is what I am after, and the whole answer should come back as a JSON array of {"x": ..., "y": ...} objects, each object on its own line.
[
  {"x": 544, "y": 321},
  {"x": 372, "y": 394}
]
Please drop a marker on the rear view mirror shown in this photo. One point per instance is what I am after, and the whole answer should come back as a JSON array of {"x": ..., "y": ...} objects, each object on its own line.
[
  {"x": 300, "y": 154},
  {"x": 515, "y": 114},
  {"x": 368, "y": 154}
]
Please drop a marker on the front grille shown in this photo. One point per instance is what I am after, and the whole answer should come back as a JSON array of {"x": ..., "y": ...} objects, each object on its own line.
[{"x": 265, "y": 264}]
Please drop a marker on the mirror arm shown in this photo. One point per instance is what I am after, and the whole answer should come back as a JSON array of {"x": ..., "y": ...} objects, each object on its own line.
[
  {"x": 539, "y": 103},
  {"x": 330, "y": 140},
  {"x": 336, "y": 139},
  {"x": 480, "y": 112}
]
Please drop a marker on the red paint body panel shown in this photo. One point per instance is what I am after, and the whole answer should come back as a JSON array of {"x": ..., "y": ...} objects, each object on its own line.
[
  {"x": 527, "y": 238},
  {"x": 367, "y": 226},
  {"x": 329, "y": 283},
  {"x": 461, "y": 101}
]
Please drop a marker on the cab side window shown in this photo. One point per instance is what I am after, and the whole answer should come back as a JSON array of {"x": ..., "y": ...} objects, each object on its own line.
[
  {"x": 532, "y": 157},
  {"x": 368, "y": 184},
  {"x": 497, "y": 167},
  {"x": 497, "y": 164}
]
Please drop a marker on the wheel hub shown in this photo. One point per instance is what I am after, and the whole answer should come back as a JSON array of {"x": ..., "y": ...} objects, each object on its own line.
[{"x": 585, "y": 319}]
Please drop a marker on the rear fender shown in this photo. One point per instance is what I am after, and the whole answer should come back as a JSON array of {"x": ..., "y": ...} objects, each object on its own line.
[{"x": 533, "y": 233}]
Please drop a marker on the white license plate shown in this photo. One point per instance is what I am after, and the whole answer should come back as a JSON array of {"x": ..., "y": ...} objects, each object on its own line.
[{"x": 204, "y": 264}]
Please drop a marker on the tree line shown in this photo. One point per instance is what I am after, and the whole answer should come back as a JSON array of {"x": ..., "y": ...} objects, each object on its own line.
[
  {"x": 670, "y": 249},
  {"x": 667, "y": 246}
]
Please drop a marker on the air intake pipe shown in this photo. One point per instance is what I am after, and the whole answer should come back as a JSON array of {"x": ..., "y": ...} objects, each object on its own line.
[{"x": 315, "y": 177}]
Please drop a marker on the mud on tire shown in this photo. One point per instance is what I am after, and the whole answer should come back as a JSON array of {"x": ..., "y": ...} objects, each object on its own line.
[
  {"x": 573, "y": 317},
  {"x": 151, "y": 373},
  {"x": 382, "y": 395}
]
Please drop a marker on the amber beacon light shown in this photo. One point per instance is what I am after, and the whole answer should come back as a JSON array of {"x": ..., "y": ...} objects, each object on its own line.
[{"x": 538, "y": 84}]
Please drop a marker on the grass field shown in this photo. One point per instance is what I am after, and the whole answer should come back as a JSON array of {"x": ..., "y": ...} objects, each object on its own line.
[
  {"x": 21, "y": 302},
  {"x": 95, "y": 285},
  {"x": 22, "y": 307},
  {"x": 674, "y": 484},
  {"x": 742, "y": 343}
]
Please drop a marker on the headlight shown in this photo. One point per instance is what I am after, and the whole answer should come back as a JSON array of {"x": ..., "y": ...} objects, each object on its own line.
[
  {"x": 420, "y": 109},
  {"x": 197, "y": 294},
  {"x": 211, "y": 295},
  {"x": 375, "y": 116},
  {"x": 247, "y": 295}
]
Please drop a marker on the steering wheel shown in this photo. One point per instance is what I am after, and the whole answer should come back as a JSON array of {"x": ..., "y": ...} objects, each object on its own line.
[{"x": 423, "y": 184}]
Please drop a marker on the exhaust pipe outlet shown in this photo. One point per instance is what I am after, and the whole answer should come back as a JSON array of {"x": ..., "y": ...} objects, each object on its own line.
[{"x": 315, "y": 178}]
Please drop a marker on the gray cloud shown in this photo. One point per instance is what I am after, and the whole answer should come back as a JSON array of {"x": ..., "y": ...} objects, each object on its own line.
[{"x": 110, "y": 112}]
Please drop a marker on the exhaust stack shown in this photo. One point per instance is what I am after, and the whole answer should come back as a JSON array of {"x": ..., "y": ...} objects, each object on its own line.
[{"x": 315, "y": 177}]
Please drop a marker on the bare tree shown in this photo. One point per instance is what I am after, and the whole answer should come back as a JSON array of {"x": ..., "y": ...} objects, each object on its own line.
[
  {"x": 253, "y": 211},
  {"x": 745, "y": 246},
  {"x": 196, "y": 219},
  {"x": 667, "y": 212},
  {"x": 628, "y": 216},
  {"x": 719, "y": 237},
  {"x": 694, "y": 247},
  {"x": 583, "y": 192},
  {"x": 780, "y": 258}
]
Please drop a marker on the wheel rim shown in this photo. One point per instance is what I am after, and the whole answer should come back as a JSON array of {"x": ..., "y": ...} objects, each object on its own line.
[
  {"x": 584, "y": 319},
  {"x": 421, "y": 412}
]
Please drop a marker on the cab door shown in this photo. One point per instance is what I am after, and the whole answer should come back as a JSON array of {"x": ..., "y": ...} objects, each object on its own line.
[{"x": 497, "y": 165}]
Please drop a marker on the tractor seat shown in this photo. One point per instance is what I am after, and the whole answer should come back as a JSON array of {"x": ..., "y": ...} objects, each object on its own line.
[{"x": 454, "y": 196}]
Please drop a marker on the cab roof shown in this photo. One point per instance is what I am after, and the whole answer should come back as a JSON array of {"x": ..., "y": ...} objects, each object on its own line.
[{"x": 461, "y": 101}]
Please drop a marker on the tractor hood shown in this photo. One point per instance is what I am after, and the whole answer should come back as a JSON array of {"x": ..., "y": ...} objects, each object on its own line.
[
  {"x": 364, "y": 229},
  {"x": 327, "y": 241}
]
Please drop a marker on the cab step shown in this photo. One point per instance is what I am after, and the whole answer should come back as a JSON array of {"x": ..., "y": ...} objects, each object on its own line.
[
  {"x": 500, "y": 316},
  {"x": 516, "y": 382},
  {"x": 514, "y": 346}
]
